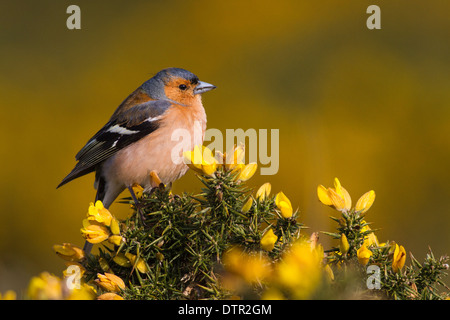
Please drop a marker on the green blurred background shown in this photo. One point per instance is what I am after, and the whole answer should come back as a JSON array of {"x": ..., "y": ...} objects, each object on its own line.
[{"x": 368, "y": 106}]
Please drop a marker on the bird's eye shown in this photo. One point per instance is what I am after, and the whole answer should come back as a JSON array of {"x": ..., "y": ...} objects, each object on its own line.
[{"x": 182, "y": 87}]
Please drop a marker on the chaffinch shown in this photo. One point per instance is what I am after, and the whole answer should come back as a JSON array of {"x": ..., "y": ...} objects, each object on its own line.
[{"x": 136, "y": 144}]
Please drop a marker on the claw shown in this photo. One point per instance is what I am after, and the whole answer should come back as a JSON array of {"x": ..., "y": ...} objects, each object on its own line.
[{"x": 137, "y": 204}]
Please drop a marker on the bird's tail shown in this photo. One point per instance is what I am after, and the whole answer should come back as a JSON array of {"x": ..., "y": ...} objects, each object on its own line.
[{"x": 75, "y": 173}]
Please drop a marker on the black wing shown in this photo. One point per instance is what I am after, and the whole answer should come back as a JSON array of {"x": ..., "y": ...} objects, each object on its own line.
[{"x": 130, "y": 126}]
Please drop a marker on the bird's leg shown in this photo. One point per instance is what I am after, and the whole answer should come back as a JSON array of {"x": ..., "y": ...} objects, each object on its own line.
[
  {"x": 137, "y": 204},
  {"x": 87, "y": 247}
]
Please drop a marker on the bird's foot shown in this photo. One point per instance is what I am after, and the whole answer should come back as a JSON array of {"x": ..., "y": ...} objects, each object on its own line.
[{"x": 138, "y": 205}]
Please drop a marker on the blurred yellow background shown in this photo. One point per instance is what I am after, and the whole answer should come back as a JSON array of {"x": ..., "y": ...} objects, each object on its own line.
[{"x": 368, "y": 106}]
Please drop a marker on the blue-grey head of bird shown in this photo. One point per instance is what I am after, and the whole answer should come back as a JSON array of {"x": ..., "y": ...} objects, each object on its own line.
[{"x": 177, "y": 85}]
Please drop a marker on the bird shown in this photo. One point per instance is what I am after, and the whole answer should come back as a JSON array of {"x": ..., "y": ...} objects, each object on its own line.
[{"x": 136, "y": 145}]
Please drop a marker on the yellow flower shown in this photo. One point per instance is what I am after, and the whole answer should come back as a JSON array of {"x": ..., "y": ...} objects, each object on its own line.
[
  {"x": 99, "y": 213},
  {"x": 343, "y": 244},
  {"x": 284, "y": 204},
  {"x": 138, "y": 190},
  {"x": 363, "y": 254},
  {"x": 94, "y": 233},
  {"x": 268, "y": 240},
  {"x": 116, "y": 239},
  {"x": 49, "y": 287},
  {"x": 115, "y": 228},
  {"x": 45, "y": 287},
  {"x": 193, "y": 159},
  {"x": 140, "y": 265},
  {"x": 247, "y": 171},
  {"x": 69, "y": 272},
  {"x": 272, "y": 294},
  {"x": 247, "y": 205},
  {"x": 84, "y": 292},
  {"x": 323, "y": 195},
  {"x": 201, "y": 160},
  {"x": 109, "y": 296},
  {"x": 122, "y": 260},
  {"x": 8, "y": 295},
  {"x": 371, "y": 239},
  {"x": 69, "y": 252},
  {"x": 250, "y": 267},
  {"x": 209, "y": 168},
  {"x": 110, "y": 282},
  {"x": 398, "y": 261},
  {"x": 264, "y": 191},
  {"x": 343, "y": 193},
  {"x": 299, "y": 271},
  {"x": 329, "y": 272},
  {"x": 365, "y": 202},
  {"x": 235, "y": 156},
  {"x": 337, "y": 197}
]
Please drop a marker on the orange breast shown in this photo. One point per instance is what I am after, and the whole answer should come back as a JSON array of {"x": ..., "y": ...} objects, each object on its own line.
[{"x": 182, "y": 128}]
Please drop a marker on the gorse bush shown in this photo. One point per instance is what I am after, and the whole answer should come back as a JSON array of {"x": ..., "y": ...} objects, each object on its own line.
[{"x": 228, "y": 241}]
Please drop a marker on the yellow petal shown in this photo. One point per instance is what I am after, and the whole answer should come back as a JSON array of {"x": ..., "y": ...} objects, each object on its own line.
[
  {"x": 347, "y": 199},
  {"x": 247, "y": 206},
  {"x": 115, "y": 229},
  {"x": 69, "y": 252},
  {"x": 85, "y": 223},
  {"x": 343, "y": 193},
  {"x": 329, "y": 272},
  {"x": 272, "y": 294},
  {"x": 364, "y": 255},
  {"x": 284, "y": 204},
  {"x": 286, "y": 209},
  {"x": 9, "y": 295},
  {"x": 343, "y": 244},
  {"x": 109, "y": 296},
  {"x": 235, "y": 156},
  {"x": 140, "y": 265},
  {"x": 187, "y": 157},
  {"x": 208, "y": 156},
  {"x": 115, "y": 239},
  {"x": 268, "y": 240},
  {"x": 110, "y": 282},
  {"x": 197, "y": 157},
  {"x": 209, "y": 162},
  {"x": 371, "y": 240},
  {"x": 138, "y": 190},
  {"x": 365, "y": 202},
  {"x": 122, "y": 260},
  {"x": 45, "y": 287},
  {"x": 253, "y": 268},
  {"x": 337, "y": 201},
  {"x": 99, "y": 213},
  {"x": 248, "y": 171},
  {"x": 337, "y": 185},
  {"x": 99, "y": 205},
  {"x": 209, "y": 169},
  {"x": 193, "y": 159},
  {"x": 324, "y": 197},
  {"x": 281, "y": 197},
  {"x": 398, "y": 261},
  {"x": 264, "y": 191},
  {"x": 237, "y": 169},
  {"x": 95, "y": 233}
]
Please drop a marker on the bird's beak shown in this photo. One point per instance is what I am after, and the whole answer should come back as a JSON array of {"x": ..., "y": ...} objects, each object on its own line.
[{"x": 203, "y": 87}]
